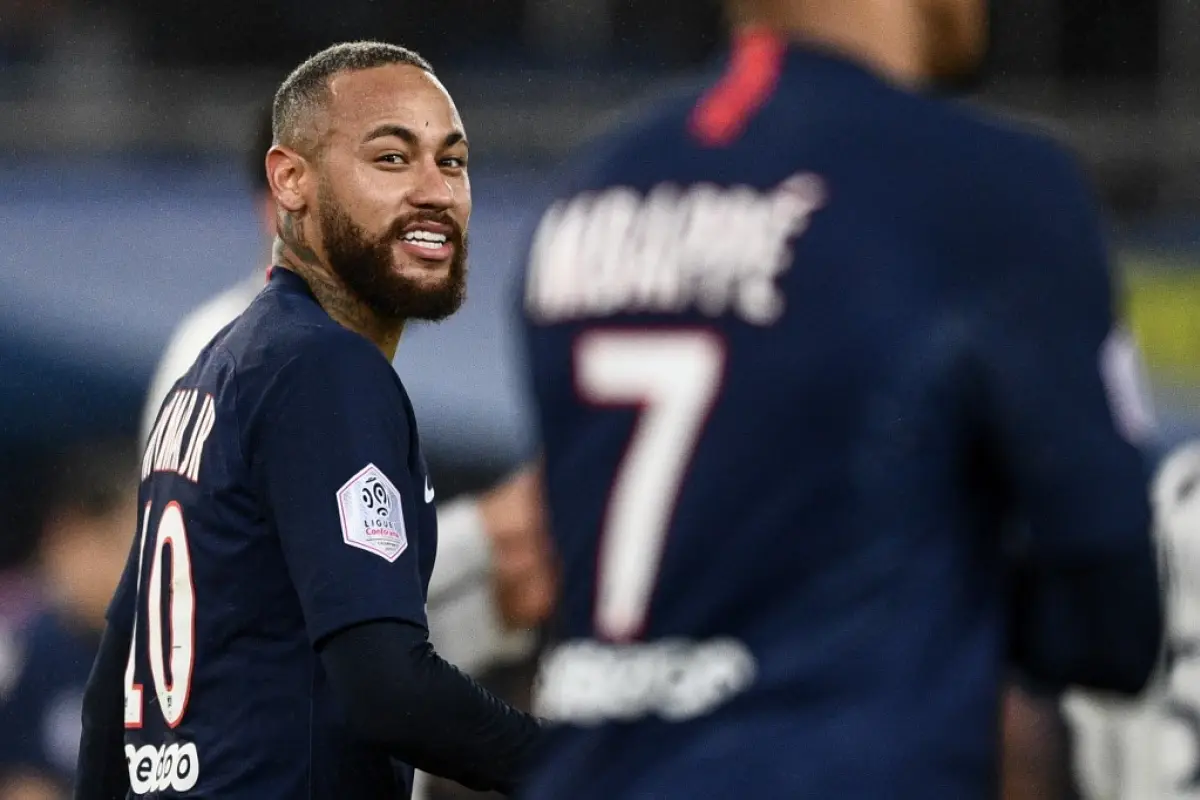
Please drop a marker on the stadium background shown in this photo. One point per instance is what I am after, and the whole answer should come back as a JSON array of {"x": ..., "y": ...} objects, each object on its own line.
[{"x": 124, "y": 202}]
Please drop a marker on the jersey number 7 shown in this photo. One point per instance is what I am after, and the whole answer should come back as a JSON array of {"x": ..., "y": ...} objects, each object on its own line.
[
  {"x": 173, "y": 690},
  {"x": 673, "y": 377}
]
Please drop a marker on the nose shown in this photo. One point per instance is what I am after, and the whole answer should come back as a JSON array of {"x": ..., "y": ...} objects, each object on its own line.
[{"x": 432, "y": 189}]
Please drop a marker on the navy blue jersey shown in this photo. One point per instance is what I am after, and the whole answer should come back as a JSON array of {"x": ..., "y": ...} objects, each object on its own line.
[
  {"x": 801, "y": 344},
  {"x": 284, "y": 498},
  {"x": 40, "y": 711}
]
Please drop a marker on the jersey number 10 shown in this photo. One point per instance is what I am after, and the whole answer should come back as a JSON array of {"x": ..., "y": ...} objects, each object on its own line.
[
  {"x": 673, "y": 377},
  {"x": 172, "y": 690}
]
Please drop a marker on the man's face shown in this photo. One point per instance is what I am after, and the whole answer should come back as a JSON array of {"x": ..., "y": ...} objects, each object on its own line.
[
  {"x": 958, "y": 38},
  {"x": 393, "y": 198}
]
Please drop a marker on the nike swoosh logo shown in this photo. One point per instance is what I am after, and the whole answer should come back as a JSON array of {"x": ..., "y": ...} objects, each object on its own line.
[{"x": 428, "y": 491}]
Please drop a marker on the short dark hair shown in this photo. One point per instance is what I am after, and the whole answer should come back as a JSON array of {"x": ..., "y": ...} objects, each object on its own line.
[{"x": 307, "y": 88}]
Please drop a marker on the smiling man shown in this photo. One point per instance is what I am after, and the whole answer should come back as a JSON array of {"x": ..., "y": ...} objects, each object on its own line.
[{"x": 269, "y": 637}]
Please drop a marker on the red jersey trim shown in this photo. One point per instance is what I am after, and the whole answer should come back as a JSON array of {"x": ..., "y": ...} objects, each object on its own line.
[{"x": 722, "y": 115}]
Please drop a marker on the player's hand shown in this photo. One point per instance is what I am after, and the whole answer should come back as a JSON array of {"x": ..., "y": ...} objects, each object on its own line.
[{"x": 523, "y": 566}]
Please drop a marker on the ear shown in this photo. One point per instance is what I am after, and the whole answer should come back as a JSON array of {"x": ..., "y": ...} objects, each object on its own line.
[{"x": 287, "y": 172}]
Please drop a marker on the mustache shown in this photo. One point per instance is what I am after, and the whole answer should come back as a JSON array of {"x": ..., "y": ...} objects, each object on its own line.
[{"x": 395, "y": 231}]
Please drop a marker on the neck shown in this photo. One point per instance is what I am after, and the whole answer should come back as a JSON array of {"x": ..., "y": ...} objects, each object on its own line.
[
  {"x": 885, "y": 36},
  {"x": 338, "y": 302}
]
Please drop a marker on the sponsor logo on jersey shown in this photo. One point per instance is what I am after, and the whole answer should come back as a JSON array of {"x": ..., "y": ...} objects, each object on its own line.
[
  {"x": 372, "y": 515},
  {"x": 714, "y": 249},
  {"x": 166, "y": 768},
  {"x": 589, "y": 682}
]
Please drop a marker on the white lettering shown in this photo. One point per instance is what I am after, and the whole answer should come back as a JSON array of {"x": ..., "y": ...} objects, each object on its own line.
[
  {"x": 174, "y": 767},
  {"x": 149, "y": 457},
  {"x": 168, "y": 454},
  {"x": 719, "y": 250},
  {"x": 189, "y": 415},
  {"x": 200, "y": 431},
  {"x": 588, "y": 682}
]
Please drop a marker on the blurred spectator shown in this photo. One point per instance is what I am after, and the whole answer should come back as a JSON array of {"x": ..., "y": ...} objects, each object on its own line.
[{"x": 86, "y": 535}]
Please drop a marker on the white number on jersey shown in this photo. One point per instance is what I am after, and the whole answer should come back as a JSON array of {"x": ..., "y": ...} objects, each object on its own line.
[
  {"x": 172, "y": 691},
  {"x": 674, "y": 378}
]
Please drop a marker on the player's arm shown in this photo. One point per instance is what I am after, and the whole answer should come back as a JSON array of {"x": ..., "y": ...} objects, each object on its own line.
[
  {"x": 101, "y": 771},
  {"x": 401, "y": 695},
  {"x": 1064, "y": 407},
  {"x": 332, "y": 452}
]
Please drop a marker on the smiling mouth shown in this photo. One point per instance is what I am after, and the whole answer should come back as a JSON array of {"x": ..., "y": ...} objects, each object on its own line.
[{"x": 427, "y": 245}]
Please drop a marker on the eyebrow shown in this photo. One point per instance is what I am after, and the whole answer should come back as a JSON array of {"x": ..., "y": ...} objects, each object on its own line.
[{"x": 410, "y": 138}]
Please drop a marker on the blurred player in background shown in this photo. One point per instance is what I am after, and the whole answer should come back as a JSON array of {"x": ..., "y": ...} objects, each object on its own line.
[
  {"x": 1149, "y": 749},
  {"x": 806, "y": 346},
  {"x": 89, "y": 523},
  {"x": 288, "y": 534}
]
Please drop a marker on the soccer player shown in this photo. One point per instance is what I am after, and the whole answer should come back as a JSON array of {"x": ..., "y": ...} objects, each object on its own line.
[
  {"x": 269, "y": 637},
  {"x": 492, "y": 574},
  {"x": 806, "y": 346}
]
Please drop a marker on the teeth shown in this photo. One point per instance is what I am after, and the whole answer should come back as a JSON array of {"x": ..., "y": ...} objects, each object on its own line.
[
  {"x": 426, "y": 245},
  {"x": 425, "y": 236}
]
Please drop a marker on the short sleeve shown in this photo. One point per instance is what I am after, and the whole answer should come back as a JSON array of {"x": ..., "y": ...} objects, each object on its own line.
[
  {"x": 330, "y": 450},
  {"x": 1067, "y": 401}
]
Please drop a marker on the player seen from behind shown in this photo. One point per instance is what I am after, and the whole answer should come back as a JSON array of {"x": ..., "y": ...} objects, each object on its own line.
[{"x": 809, "y": 346}]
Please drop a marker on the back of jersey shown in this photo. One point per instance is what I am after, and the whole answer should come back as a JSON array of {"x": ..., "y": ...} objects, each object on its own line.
[{"x": 754, "y": 324}]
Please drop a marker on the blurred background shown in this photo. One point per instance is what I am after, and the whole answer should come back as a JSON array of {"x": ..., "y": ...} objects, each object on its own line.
[{"x": 126, "y": 199}]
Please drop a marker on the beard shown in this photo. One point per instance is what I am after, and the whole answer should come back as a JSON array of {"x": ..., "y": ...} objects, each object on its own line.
[{"x": 366, "y": 266}]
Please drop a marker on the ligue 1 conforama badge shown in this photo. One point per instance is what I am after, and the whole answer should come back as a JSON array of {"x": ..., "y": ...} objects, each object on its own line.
[{"x": 371, "y": 514}]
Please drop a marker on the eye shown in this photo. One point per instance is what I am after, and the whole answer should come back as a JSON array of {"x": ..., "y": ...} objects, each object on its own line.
[
  {"x": 392, "y": 158},
  {"x": 455, "y": 162}
]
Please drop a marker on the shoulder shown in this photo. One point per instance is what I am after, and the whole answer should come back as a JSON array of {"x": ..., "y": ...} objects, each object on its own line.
[
  {"x": 1012, "y": 157},
  {"x": 1010, "y": 196},
  {"x": 286, "y": 334},
  {"x": 324, "y": 350},
  {"x": 308, "y": 369}
]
